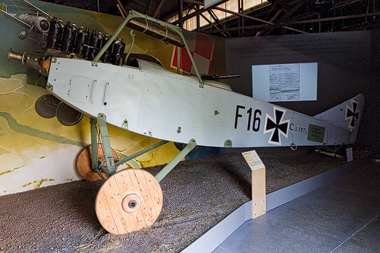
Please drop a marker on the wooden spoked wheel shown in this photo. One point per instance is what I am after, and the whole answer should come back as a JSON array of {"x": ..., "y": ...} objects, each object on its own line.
[
  {"x": 128, "y": 201},
  {"x": 84, "y": 162}
]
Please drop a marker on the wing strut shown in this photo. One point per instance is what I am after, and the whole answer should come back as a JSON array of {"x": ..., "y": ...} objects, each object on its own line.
[
  {"x": 108, "y": 158},
  {"x": 110, "y": 169},
  {"x": 108, "y": 164},
  {"x": 176, "y": 160}
]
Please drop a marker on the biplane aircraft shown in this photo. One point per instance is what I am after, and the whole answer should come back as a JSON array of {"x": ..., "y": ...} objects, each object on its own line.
[
  {"x": 36, "y": 21},
  {"x": 145, "y": 98}
]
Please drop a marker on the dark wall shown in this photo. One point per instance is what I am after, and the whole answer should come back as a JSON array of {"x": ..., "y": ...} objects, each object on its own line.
[
  {"x": 348, "y": 64},
  {"x": 370, "y": 125}
]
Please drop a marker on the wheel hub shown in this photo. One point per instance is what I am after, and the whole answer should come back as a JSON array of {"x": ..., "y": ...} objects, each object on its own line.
[{"x": 131, "y": 203}]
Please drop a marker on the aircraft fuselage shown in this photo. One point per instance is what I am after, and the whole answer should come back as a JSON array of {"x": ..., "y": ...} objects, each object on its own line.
[{"x": 153, "y": 101}]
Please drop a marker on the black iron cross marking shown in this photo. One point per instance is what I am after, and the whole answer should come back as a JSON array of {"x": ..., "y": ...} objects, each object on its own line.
[
  {"x": 352, "y": 113},
  {"x": 277, "y": 126}
]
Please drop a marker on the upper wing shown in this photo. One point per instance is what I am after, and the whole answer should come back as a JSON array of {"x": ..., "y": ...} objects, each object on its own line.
[
  {"x": 29, "y": 6},
  {"x": 13, "y": 18}
]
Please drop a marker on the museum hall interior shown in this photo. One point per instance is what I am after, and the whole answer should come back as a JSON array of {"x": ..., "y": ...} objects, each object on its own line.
[{"x": 189, "y": 126}]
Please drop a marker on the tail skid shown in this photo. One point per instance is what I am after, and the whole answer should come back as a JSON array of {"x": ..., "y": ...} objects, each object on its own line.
[{"x": 346, "y": 115}]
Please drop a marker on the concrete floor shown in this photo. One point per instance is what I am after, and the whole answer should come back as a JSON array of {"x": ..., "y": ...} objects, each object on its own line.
[{"x": 343, "y": 216}]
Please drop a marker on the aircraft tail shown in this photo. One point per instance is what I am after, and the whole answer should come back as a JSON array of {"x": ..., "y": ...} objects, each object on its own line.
[{"x": 346, "y": 115}]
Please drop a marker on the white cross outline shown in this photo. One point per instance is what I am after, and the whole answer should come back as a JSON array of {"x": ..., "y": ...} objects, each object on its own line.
[
  {"x": 272, "y": 130},
  {"x": 351, "y": 109}
]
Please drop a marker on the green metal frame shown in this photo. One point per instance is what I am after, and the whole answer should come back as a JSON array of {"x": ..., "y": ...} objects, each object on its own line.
[
  {"x": 135, "y": 14},
  {"x": 94, "y": 144},
  {"x": 94, "y": 150},
  {"x": 130, "y": 48},
  {"x": 110, "y": 169},
  {"x": 190, "y": 146},
  {"x": 137, "y": 154}
]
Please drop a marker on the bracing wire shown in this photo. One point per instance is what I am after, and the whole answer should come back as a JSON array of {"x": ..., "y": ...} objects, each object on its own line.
[{"x": 151, "y": 149}]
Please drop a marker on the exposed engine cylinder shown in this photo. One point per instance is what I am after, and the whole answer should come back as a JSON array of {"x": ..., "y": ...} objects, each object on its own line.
[{"x": 85, "y": 44}]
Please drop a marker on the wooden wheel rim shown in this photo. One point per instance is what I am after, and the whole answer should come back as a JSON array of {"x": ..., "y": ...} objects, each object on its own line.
[
  {"x": 84, "y": 162},
  {"x": 114, "y": 202}
]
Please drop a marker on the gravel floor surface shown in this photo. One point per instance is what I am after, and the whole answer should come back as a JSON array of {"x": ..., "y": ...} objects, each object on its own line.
[{"x": 198, "y": 194}]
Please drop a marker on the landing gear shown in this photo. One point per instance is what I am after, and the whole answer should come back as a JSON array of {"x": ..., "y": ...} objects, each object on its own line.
[
  {"x": 84, "y": 163},
  {"x": 337, "y": 151},
  {"x": 130, "y": 199}
]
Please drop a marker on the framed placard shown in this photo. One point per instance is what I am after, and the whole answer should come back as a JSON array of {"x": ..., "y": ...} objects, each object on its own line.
[
  {"x": 349, "y": 154},
  {"x": 253, "y": 160},
  {"x": 316, "y": 133},
  {"x": 258, "y": 183}
]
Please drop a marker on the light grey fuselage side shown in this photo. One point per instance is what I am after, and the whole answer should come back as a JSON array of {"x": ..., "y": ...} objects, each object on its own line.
[{"x": 153, "y": 101}]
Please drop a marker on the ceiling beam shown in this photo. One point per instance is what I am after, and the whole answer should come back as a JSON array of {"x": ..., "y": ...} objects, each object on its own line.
[
  {"x": 288, "y": 14},
  {"x": 271, "y": 20},
  {"x": 272, "y": 8},
  {"x": 197, "y": 12},
  {"x": 213, "y": 25},
  {"x": 232, "y": 29},
  {"x": 285, "y": 6},
  {"x": 121, "y": 9},
  {"x": 335, "y": 6},
  {"x": 243, "y": 15},
  {"x": 158, "y": 9},
  {"x": 281, "y": 23},
  {"x": 254, "y": 27},
  {"x": 332, "y": 18},
  {"x": 220, "y": 9},
  {"x": 345, "y": 3},
  {"x": 260, "y": 20},
  {"x": 215, "y": 18}
]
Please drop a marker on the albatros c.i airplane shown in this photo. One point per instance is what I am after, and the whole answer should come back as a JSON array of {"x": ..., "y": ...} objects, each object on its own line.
[{"x": 145, "y": 98}]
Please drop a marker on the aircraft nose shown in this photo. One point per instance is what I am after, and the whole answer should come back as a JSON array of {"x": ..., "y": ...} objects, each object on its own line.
[{"x": 44, "y": 24}]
